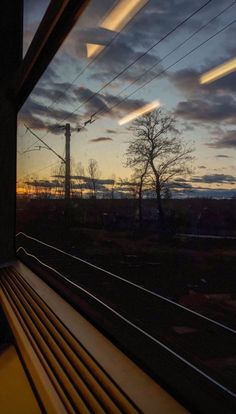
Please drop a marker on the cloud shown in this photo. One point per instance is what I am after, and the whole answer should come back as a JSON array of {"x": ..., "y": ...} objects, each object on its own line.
[
  {"x": 56, "y": 92},
  {"x": 215, "y": 178},
  {"x": 118, "y": 57},
  {"x": 111, "y": 131},
  {"x": 100, "y": 139},
  {"x": 222, "y": 156},
  {"x": 222, "y": 108},
  {"x": 44, "y": 183},
  {"x": 187, "y": 81},
  {"x": 37, "y": 116},
  {"x": 147, "y": 27},
  {"x": 102, "y": 102},
  {"x": 227, "y": 141},
  {"x": 202, "y": 166},
  {"x": 205, "y": 103}
]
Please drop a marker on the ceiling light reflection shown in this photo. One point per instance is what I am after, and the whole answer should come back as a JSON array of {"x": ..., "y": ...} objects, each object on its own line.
[
  {"x": 138, "y": 112},
  {"x": 93, "y": 49},
  {"x": 121, "y": 14},
  {"x": 218, "y": 72}
]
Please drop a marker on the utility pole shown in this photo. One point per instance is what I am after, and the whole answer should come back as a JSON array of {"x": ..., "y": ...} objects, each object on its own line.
[
  {"x": 67, "y": 163},
  {"x": 65, "y": 160}
]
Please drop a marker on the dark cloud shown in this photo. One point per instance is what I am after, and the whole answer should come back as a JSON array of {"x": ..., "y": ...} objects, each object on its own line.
[
  {"x": 146, "y": 28},
  {"x": 187, "y": 81},
  {"x": 44, "y": 183},
  {"x": 117, "y": 58},
  {"x": 103, "y": 101},
  {"x": 209, "y": 102},
  {"x": 222, "y": 156},
  {"x": 56, "y": 92},
  {"x": 179, "y": 184},
  {"x": 100, "y": 139},
  {"x": 220, "y": 108},
  {"x": 227, "y": 141},
  {"x": 37, "y": 116},
  {"x": 111, "y": 131},
  {"x": 152, "y": 23},
  {"x": 181, "y": 180},
  {"x": 202, "y": 167},
  {"x": 215, "y": 178},
  {"x": 104, "y": 181}
]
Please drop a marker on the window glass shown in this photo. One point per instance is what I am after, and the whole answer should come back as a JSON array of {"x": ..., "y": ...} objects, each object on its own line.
[
  {"x": 33, "y": 14},
  {"x": 126, "y": 162}
]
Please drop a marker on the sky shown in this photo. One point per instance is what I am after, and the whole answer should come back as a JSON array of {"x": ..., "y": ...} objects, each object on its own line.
[{"x": 205, "y": 114}]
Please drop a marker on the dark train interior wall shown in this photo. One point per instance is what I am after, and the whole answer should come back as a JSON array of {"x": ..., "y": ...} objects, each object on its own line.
[{"x": 11, "y": 20}]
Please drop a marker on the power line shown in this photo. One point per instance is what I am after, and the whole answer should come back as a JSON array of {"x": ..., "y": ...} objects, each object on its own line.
[
  {"x": 137, "y": 59},
  {"x": 131, "y": 64},
  {"x": 38, "y": 170},
  {"x": 117, "y": 34},
  {"x": 170, "y": 53},
  {"x": 142, "y": 86},
  {"x": 22, "y": 135},
  {"x": 170, "y": 66},
  {"x": 47, "y": 146},
  {"x": 29, "y": 147}
]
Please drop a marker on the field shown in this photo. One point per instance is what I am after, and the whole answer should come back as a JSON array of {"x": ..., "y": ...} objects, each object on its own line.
[{"x": 196, "y": 272}]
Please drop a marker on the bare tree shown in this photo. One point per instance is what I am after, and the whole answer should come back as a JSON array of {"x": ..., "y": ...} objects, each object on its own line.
[
  {"x": 141, "y": 178},
  {"x": 59, "y": 173},
  {"x": 157, "y": 145},
  {"x": 128, "y": 187},
  {"x": 113, "y": 183},
  {"x": 79, "y": 170},
  {"x": 93, "y": 174}
]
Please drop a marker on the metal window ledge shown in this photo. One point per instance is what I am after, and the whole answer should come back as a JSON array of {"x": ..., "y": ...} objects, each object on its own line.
[{"x": 73, "y": 367}]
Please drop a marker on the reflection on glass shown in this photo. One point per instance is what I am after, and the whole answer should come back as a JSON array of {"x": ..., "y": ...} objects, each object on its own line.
[
  {"x": 218, "y": 72},
  {"x": 152, "y": 189},
  {"x": 121, "y": 14},
  {"x": 139, "y": 112},
  {"x": 93, "y": 49}
]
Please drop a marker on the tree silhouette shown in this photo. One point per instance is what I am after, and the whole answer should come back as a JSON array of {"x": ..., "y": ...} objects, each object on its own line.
[
  {"x": 156, "y": 148},
  {"x": 93, "y": 174}
]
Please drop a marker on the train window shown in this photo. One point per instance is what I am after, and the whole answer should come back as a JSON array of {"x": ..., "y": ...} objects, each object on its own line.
[
  {"x": 126, "y": 183},
  {"x": 33, "y": 14}
]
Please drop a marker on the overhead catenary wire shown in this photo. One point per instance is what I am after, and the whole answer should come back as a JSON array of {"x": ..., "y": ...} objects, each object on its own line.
[
  {"x": 169, "y": 67},
  {"x": 169, "y": 53},
  {"x": 47, "y": 146},
  {"x": 30, "y": 146},
  {"x": 137, "y": 59},
  {"x": 36, "y": 171},
  {"x": 130, "y": 64}
]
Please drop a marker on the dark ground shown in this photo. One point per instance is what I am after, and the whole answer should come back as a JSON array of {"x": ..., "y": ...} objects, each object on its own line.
[{"x": 196, "y": 273}]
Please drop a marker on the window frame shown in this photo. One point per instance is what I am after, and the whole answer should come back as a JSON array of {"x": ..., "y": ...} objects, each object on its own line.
[{"x": 57, "y": 22}]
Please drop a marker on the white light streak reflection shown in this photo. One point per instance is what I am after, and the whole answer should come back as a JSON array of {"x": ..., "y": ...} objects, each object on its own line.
[
  {"x": 138, "y": 112},
  {"x": 218, "y": 72},
  {"x": 121, "y": 14}
]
